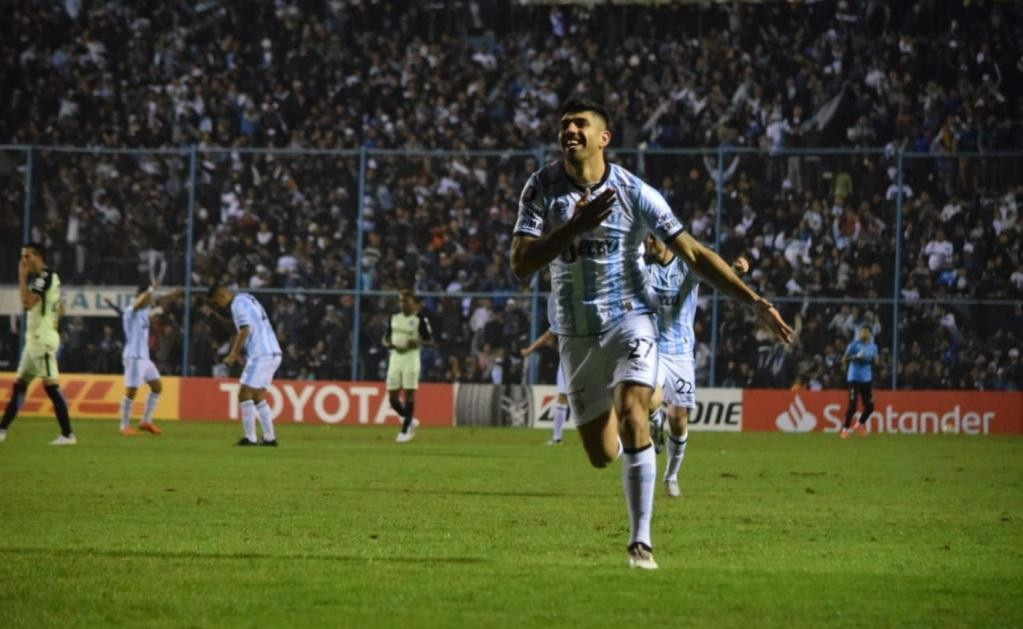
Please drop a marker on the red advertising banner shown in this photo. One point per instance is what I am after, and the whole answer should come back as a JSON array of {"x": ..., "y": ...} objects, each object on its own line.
[
  {"x": 899, "y": 412},
  {"x": 316, "y": 402}
]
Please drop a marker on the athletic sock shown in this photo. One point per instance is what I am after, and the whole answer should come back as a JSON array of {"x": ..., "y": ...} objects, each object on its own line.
[
  {"x": 151, "y": 402},
  {"x": 249, "y": 420},
  {"x": 676, "y": 452},
  {"x": 60, "y": 407},
  {"x": 639, "y": 470},
  {"x": 409, "y": 409},
  {"x": 126, "y": 404},
  {"x": 267, "y": 420},
  {"x": 560, "y": 414},
  {"x": 399, "y": 408},
  {"x": 14, "y": 404}
]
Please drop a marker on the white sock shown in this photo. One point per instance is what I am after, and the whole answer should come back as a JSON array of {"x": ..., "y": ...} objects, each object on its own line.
[
  {"x": 560, "y": 415},
  {"x": 126, "y": 403},
  {"x": 249, "y": 420},
  {"x": 639, "y": 472},
  {"x": 151, "y": 402},
  {"x": 676, "y": 452},
  {"x": 266, "y": 419}
]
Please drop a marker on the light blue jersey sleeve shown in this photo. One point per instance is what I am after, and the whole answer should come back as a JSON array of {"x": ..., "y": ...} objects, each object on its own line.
[
  {"x": 530, "y": 221},
  {"x": 657, "y": 213}
]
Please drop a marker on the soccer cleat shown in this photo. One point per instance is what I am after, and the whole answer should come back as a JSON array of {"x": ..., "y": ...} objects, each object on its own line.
[
  {"x": 554, "y": 442},
  {"x": 150, "y": 427},
  {"x": 272, "y": 443},
  {"x": 129, "y": 431},
  {"x": 65, "y": 441},
  {"x": 245, "y": 442},
  {"x": 403, "y": 437},
  {"x": 641, "y": 556},
  {"x": 860, "y": 428},
  {"x": 672, "y": 489},
  {"x": 3, "y": 434},
  {"x": 412, "y": 428},
  {"x": 844, "y": 434}
]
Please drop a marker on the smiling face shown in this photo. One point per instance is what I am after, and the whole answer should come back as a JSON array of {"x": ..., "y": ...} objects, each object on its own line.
[{"x": 582, "y": 134}]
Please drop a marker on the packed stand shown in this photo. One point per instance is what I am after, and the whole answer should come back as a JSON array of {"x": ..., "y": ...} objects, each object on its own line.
[{"x": 930, "y": 77}]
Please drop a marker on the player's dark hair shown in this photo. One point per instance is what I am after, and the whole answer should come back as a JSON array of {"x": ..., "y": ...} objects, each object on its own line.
[
  {"x": 38, "y": 247},
  {"x": 213, "y": 290},
  {"x": 409, "y": 292},
  {"x": 578, "y": 105}
]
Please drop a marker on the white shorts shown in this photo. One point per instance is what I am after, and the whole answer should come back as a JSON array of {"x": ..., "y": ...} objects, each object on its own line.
[
  {"x": 594, "y": 365},
  {"x": 562, "y": 385},
  {"x": 138, "y": 371},
  {"x": 38, "y": 361},
  {"x": 403, "y": 371},
  {"x": 259, "y": 371},
  {"x": 678, "y": 377}
]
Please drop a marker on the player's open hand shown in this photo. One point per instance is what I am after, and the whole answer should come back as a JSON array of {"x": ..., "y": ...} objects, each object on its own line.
[
  {"x": 769, "y": 317},
  {"x": 589, "y": 213}
]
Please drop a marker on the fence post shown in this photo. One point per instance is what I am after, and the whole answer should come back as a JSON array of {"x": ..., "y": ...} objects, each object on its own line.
[
  {"x": 898, "y": 270},
  {"x": 190, "y": 234},
  {"x": 534, "y": 319},
  {"x": 26, "y": 231},
  {"x": 718, "y": 209},
  {"x": 357, "y": 315}
]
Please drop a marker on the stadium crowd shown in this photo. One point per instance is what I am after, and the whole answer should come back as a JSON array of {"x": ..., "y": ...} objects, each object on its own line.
[{"x": 404, "y": 79}]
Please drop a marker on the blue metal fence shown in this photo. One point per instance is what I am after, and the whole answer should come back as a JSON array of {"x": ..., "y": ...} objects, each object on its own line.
[{"x": 720, "y": 155}]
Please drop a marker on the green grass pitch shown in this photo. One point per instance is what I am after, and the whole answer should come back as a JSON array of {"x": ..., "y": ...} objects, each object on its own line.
[{"x": 487, "y": 528}]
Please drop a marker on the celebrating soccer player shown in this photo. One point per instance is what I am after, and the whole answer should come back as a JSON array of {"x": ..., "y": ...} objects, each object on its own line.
[
  {"x": 860, "y": 357},
  {"x": 406, "y": 332},
  {"x": 586, "y": 219},
  {"x": 138, "y": 368},
  {"x": 40, "y": 295},
  {"x": 262, "y": 358},
  {"x": 561, "y": 403}
]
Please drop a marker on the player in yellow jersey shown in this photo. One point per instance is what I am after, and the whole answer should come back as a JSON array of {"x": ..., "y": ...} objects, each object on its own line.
[
  {"x": 407, "y": 331},
  {"x": 40, "y": 295}
]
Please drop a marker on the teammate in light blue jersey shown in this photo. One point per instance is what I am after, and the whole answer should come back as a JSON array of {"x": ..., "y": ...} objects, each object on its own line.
[
  {"x": 586, "y": 219},
  {"x": 262, "y": 358},
  {"x": 860, "y": 357},
  {"x": 138, "y": 368},
  {"x": 673, "y": 291}
]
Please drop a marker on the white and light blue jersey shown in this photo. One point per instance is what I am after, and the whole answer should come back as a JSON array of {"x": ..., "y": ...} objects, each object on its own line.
[
  {"x": 674, "y": 290},
  {"x": 247, "y": 311},
  {"x": 136, "y": 332},
  {"x": 599, "y": 278}
]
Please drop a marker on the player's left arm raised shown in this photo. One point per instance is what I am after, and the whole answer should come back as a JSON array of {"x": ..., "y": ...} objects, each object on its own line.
[{"x": 716, "y": 272}]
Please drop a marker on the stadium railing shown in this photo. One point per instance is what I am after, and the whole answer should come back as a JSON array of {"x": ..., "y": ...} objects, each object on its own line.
[{"x": 115, "y": 216}]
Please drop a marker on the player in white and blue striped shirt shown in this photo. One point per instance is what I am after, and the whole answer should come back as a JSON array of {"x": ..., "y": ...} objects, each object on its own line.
[
  {"x": 262, "y": 358},
  {"x": 138, "y": 367},
  {"x": 674, "y": 291},
  {"x": 586, "y": 219}
]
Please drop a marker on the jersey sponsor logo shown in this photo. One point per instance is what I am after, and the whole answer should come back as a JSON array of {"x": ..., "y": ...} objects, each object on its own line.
[
  {"x": 671, "y": 299},
  {"x": 591, "y": 248}
]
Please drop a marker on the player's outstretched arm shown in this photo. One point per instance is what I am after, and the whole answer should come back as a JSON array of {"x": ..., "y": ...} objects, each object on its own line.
[
  {"x": 529, "y": 254},
  {"x": 716, "y": 272},
  {"x": 547, "y": 338}
]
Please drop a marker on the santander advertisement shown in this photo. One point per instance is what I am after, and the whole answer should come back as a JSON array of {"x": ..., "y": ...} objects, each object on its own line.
[
  {"x": 315, "y": 402},
  {"x": 897, "y": 412}
]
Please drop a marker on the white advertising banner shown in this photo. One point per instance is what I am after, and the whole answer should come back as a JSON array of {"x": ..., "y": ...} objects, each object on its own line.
[
  {"x": 716, "y": 409},
  {"x": 79, "y": 301}
]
